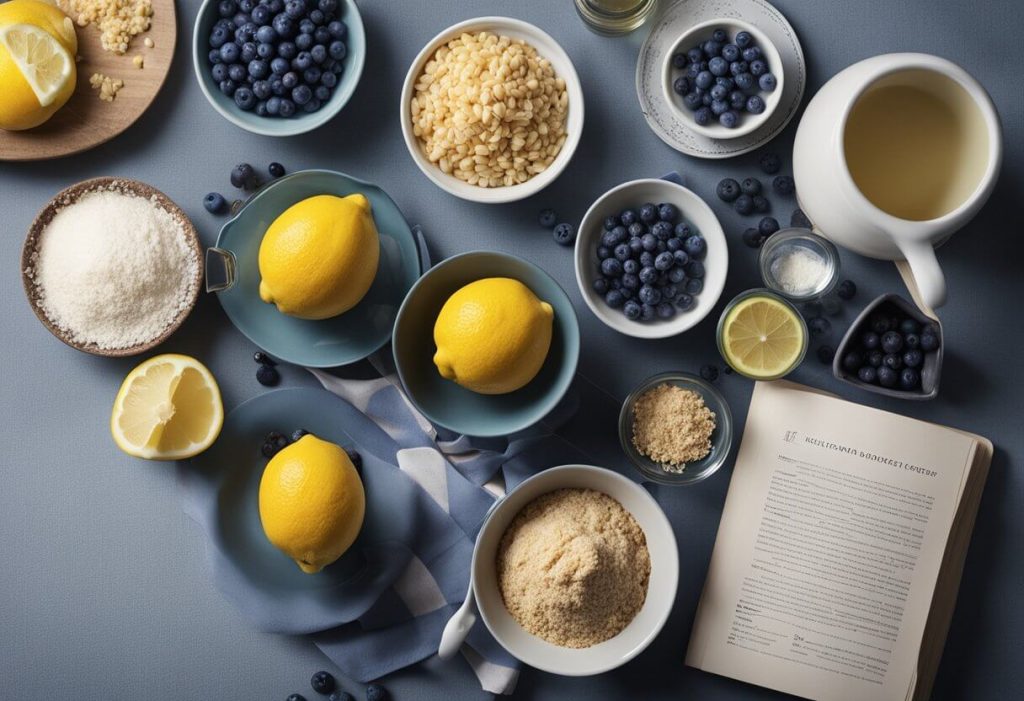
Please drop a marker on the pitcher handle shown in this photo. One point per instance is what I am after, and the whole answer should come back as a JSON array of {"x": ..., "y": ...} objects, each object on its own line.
[
  {"x": 220, "y": 269},
  {"x": 925, "y": 279}
]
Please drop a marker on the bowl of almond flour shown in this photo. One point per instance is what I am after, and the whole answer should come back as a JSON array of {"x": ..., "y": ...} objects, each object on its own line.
[
  {"x": 575, "y": 571},
  {"x": 112, "y": 266}
]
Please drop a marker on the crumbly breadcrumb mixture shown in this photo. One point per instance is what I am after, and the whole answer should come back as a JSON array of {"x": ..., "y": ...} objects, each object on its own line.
[
  {"x": 573, "y": 567},
  {"x": 672, "y": 426},
  {"x": 108, "y": 87},
  {"x": 117, "y": 20}
]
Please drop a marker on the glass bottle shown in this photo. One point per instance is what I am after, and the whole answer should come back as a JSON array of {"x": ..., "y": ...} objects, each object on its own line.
[{"x": 614, "y": 17}]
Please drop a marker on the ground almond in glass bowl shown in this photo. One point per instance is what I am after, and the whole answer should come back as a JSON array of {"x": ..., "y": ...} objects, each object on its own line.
[
  {"x": 573, "y": 567},
  {"x": 672, "y": 426},
  {"x": 489, "y": 110}
]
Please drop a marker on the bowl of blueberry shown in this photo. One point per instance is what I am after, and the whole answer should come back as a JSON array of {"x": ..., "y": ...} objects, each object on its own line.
[
  {"x": 724, "y": 78},
  {"x": 278, "y": 67},
  {"x": 651, "y": 258},
  {"x": 892, "y": 349}
]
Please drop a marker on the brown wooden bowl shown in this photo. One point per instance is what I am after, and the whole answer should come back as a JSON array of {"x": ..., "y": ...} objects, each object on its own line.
[{"x": 71, "y": 195}]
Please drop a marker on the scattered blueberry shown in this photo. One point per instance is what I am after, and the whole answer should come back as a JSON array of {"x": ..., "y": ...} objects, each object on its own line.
[
  {"x": 753, "y": 238},
  {"x": 267, "y": 375},
  {"x": 243, "y": 176},
  {"x": 297, "y": 434},
  {"x": 375, "y": 692},
  {"x": 784, "y": 185},
  {"x": 296, "y": 697},
  {"x": 761, "y": 204},
  {"x": 275, "y": 169},
  {"x": 929, "y": 342},
  {"x": 686, "y": 301},
  {"x": 744, "y": 205},
  {"x": 667, "y": 212},
  {"x": 695, "y": 247},
  {"x": 728, "y": 190},
  {"x": 846, "y": 290},
  {"x": 341, "y": 696},
  {"x": 751, "y": 186},
  {"x": 826, "y": 354},
  {"x": 322, "y": 683},
  {"x": 799, "y": 220},
  {"x": 215, "y": 203},
  {"x": 819, "y": 326},
  {"x": 709, "y": 373},
  {"x": 768, "y": 226},
  {"x": 564, "y": 234},
  {"x": 263, "y": 359},
  {"x": 771, "y": 163}
]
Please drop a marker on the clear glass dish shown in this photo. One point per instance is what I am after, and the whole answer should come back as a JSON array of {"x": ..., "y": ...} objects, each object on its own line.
[
  {"x": 761, "y": 292},
  {"x": 782, "y": 242},
  {"x": 721, "y": 438}
]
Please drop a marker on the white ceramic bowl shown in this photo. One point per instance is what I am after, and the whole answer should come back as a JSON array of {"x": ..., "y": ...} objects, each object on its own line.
[
  {"x": 547, "y": 48},
  {"x": 661, "y": 589},
  {"x": 692, "y": 209},
  {"x": 700, "y": 33}
]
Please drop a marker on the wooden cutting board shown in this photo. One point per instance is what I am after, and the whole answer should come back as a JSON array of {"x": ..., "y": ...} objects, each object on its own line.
[{"x": 86, "y": 121}]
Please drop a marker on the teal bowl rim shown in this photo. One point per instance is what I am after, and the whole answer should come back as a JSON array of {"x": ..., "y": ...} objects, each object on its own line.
[
  {"x": 722, "y": 437},
  {"x": 554, "y": 397},
  {"x": 283, "y": 180},
  {"x": 355, "y": 62}
]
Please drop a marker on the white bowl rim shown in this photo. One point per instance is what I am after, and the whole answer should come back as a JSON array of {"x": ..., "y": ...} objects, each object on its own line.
[
  {"x": 751, "y": 122},
  {"x": 656, "y": 329},
  {"x": 671, "y": 564},
  {"x": 574, "y": 120},
  {"x": 289, "y": 127}
]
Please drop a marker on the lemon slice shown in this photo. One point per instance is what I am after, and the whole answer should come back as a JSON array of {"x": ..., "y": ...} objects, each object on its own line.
[
  {"x": 168, "y": 408},
  {"x": 763, "y": 337},
  {"x": 43, "y": 61}
]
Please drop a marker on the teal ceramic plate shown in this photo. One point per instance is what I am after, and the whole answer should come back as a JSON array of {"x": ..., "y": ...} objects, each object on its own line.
[
  {"x": 447, "y": 404},
  {"x": 330, "y": 342},
  {"x": 301, "y": 122},
  {"x": 258, "y": 578}
]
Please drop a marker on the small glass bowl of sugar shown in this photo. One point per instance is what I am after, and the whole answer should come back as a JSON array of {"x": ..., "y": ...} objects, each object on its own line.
[{"x": 799, "y": 265}]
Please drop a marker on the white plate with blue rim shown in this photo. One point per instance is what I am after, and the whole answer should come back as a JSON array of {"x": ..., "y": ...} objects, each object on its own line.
[{"x": 232, "y": 271}]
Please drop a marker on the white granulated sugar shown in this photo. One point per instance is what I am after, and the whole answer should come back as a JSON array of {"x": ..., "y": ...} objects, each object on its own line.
[
  {"x": 114, "y": 269},
  {"x": 798, "y": 271}
]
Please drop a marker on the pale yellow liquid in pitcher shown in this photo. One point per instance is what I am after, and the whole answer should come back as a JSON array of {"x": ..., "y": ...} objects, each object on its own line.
[{"x": 916, "y": 145}]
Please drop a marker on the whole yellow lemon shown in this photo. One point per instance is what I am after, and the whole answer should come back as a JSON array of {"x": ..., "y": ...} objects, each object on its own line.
[
  {"x": 311, "y": 502},
  {"x": 492, "y": 336},
  {"x": 318, "y": 259},
  {"x": 37, "y": 62}
]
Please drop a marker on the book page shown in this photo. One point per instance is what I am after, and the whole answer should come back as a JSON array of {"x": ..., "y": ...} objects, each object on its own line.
[{"x": 829, "y": 547}]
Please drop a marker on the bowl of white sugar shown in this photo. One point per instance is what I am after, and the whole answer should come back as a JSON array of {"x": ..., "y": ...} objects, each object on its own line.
[{"x": 112, "y": 266}]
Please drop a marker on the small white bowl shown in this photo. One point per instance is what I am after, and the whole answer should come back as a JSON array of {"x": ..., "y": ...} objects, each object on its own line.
[
  {"x": 694, "y": 211},
  {"x": 700, "y": 33},
  {"x": 485, "y": 595},
  {"x": 547, "y": 48}
]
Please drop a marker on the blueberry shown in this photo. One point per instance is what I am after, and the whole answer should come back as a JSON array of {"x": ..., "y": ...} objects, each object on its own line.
[
  {"x": 614, "y": 299},
  {"x": 284, "y": 26},
  {"x": 311, "y": 75},
  {"x": 279, "y": 66},
  {"x": 913, "y": 358},
  {"x": 632, "y": 310},
  {"x": 718, "y": 66},
  {"x": 728, "y": 190},
  {"x": 244, "y": 98},
  {"x": 685, "y": 302},
  {"x": 758, "y": 67},
  {"x": 852, "y": 361},
  {"x": 771, "y": 163},
  {"x": 761, "y": 204},
  {"x": 287, "y": 108},
  {"x": 219, "y": 72},
  {"x": 767, "y": 82},
  {"x": 341, "y": 696},
  {"x": 695, "y": 55},
  {"x": 662, "y": 230},
  {"x": 328, "y": 79},
  {"x": 266, "y": 34},
  {"x": 826, "y": 354},
  {"x": 265, "y": 51},
  {"x": 599, "y": 285},
  {"x": 720, "y": 36},
  {"x": 784, "y": 185},
  {"x": 704, "y": 80},
  {"x": 910, "y": 326},
  {"x": 682, "y": 230},
  {"x": 692, "y": 100},
  {"x": 694, "y": 286},
  {"x": 259, "y": 69},
  {"x": 730, "y": 52},
  {"x": 648, "y": 213},
  {"x": 301, "y": 95},
  {"x": 711, "y": 48},
  {"x": 745, "y": 81},
  {"x": 648, "y": 275},
  {"x": 679, "y": 60},
  {"x": 295, "y": 697},
  {"x": 751, "y": 53},
  {"x": 226, "y": 8},
  {"x": 636, "y": 244},
  {"x": 667, "y": 212},
  {"x": 755, "y": 104},
  {"x": 337, "y": 29},
  {"x": 240, "y": 19},
  {"x": 674, "y": 244},
  {"x": 547, "y": 218},
  {"x": 719, "y": 107},
  {"x": 664, "y": 261},
  {"x": 892, "y": 360},
  {"x": 236, "y": 72},
  {"x": 875, "y": 358},
  {"x": 319, "y": 55},
  {"x": 744, "y": 39},
  {"x": 246, "y": 5},
  {"x": 892, "y": 342},
  {"x": 867, "y": 374},
  {"x": 751, "y": 186},
  {"x": 694, "y": 269},
  {"x": 610, "y": 267},
  {"x": 847, "y": 288},
  {"x": 215, "y": 203},
  {"x": 649, "y": 242},
  {"x": 909, "y": 379},
  {"x": 322, "y": 683},
  {"x": 702, "y": 116},
  {"x": 738, "y": 100},
  {"x": 287, "y": 50},
  {"x": 243, "y": 176},
  {"x": 929, "y": 341},
  {"x": 744, "y": 205},
  {"x": 666, "y": 310},
  {"x": 879, "y": 323},
  {"x": 768, "y": 226},
  {"x": 912, "y": 341},
  {"x": 870, "y": 340},
  {"x": 726, "y": 82},
  {"x": 887, "y": 377},
  {"x": 218, "y": 37},
  {"x": 647, "y": 259},
  {"x": 328, "y": 7},
  {"x": 677, "y": 274},
  {"x": 297, "y": 435},
  {"x": 738, "y": 68},
  {"x": 630, "y": 267},
  {"x": 728, "y": 119},
  {"x": 799, "y": 220},
  {"x": 214, "y": 57},
  {"x": 621, "y": 252},
  {"x": 276, "y": 170},
  {"x": 273, "y": 105},
  {"x": 267, "y": 375},
  {"x": 753, "y": 238},
  {"x": 230, "y": 53},
  {"x": 819, "y": 326},
  {"x": 614, "y": 236},
  {"x": 261, "y": 14},
  {"x": 649, "y": 295},
  {"x": 295, "y": 8},
  {"x": 695, "y": 246},
  {"x": 302, "y": 60}
]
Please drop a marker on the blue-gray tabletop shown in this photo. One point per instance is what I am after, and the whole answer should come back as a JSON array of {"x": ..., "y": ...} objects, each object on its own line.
[{"x": 105, "y": 594}]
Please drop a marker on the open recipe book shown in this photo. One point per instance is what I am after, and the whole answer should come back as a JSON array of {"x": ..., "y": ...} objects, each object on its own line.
[{"x": 839, "y": 554}]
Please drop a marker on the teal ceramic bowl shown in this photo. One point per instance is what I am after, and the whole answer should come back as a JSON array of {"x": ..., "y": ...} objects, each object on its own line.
[
  {"x": 458, "y": 409},
  {"x": 233, "y": 272},
  {"x": 301, "y": 122}
]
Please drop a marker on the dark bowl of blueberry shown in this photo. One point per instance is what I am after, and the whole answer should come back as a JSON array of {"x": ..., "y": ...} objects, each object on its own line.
[
  {"x": 278, "y": 67},
  {"x": 723, "y": 77},
  {"x": 892, "y": 349},
  {"x": 651, "y": 258}
]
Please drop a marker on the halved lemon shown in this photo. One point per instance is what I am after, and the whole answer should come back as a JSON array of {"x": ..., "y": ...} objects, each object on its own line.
[
  {"x": 762, "y": 336},
  {"x": 168, "y": 408}
]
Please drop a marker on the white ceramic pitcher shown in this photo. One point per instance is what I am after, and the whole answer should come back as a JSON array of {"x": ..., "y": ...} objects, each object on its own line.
[{"x": 893, "y": 155}]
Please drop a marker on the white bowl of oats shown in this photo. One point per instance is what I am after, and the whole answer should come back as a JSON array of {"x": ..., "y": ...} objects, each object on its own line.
[
  {"x": 492, "y": 109},
  {"x": 574, "y": 572}
]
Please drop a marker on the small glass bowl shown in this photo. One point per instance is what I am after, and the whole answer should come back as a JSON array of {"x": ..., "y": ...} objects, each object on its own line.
[
  {"x": 721, "y": 438},
  {"x": 762, "y": 292},
  {"x": 788, "y": 239}
]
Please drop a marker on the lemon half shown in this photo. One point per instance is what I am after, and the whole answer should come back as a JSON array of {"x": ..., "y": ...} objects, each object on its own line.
[
  {"x": 168, "y": 408},
  {"x": 762, "y": 337}
]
